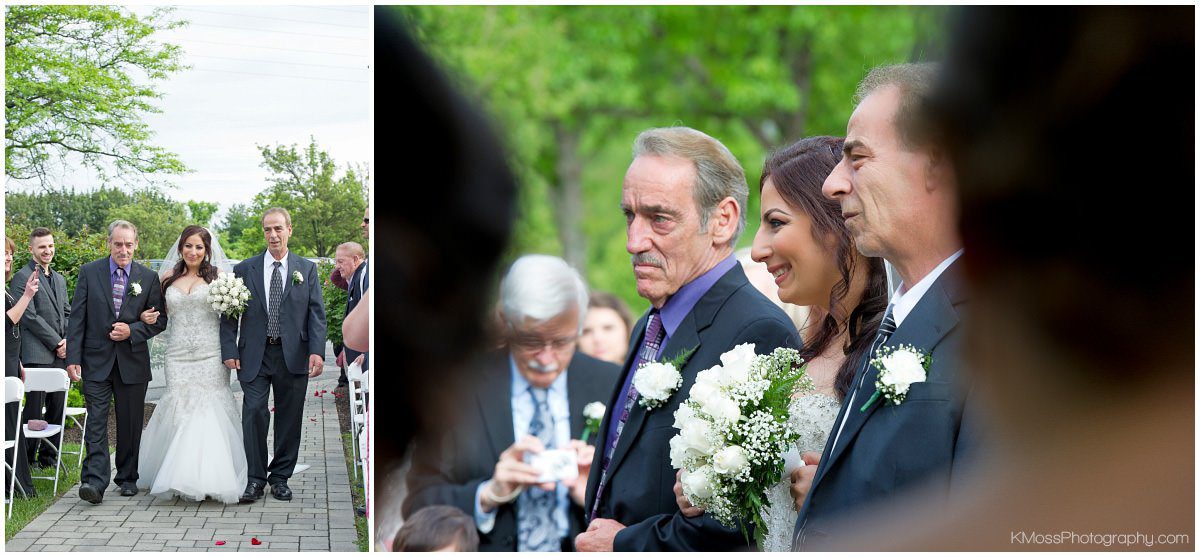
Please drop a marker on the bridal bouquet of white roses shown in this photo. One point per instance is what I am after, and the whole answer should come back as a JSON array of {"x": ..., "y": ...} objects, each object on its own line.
[
  {"x": 228, "y": 295},
  {"x": 733, "y": 433}
]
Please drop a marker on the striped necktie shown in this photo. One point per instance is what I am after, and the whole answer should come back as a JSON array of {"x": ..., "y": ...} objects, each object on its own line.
[{"x": 118, "y": 289}]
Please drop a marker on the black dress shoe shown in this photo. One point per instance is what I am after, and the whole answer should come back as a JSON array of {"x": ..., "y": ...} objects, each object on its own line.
[
  {"x": 91, "y": 493},
  {"x": 254, "y": 492},
  {"x": 281, "y": 491},
  {"x": 129, "y": 490}
]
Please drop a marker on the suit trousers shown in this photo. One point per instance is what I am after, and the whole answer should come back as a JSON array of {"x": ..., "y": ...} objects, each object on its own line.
[
  {"x": 53, "y": 413},
  {"x": 289, "y": 389},
  {"x": 130, "y": 407}
]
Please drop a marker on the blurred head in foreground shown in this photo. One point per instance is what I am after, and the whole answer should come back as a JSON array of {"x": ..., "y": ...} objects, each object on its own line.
[{"x": 437, "y": 528}]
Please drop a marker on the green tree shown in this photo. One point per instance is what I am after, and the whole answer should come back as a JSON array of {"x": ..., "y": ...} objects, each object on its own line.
[
  {"x": 201, "y": 212},
  {"x": 574, "y": 85},
  {"x": 326, "y": 208},
  {"x": 241, "y": 235},
  {"x": 78, "y": 80},
  {"x": 159, "y": 220}
]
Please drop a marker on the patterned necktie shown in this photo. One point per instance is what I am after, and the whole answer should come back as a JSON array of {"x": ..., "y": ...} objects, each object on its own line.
[
  {"x": 536, "y": 529},
  {"x": 118, "y": 291},
  {"x": 274, "y": 301},
  {"x": 651, "y": 343},
  {"x": 886, "y": 328}
]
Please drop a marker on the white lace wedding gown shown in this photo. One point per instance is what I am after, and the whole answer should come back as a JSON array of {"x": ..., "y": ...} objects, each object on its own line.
[
  {"x": 192, "y": 446},
  {"x": 813, "y": 416}
]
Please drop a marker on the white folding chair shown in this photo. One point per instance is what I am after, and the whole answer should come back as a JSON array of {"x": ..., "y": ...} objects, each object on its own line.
[
  {"x": 48, "y": 380},
  {"x": 73, "y": 414},
  {"x": 14, "y": 391},
  {"x": 355, "y": 418}
]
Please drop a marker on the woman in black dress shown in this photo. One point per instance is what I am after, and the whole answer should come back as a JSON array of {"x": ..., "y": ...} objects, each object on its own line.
[{"x": 13, "y": 310}]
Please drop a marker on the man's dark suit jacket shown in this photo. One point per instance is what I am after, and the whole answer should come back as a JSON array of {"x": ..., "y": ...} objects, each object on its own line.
[
  {"x": 448, "y": 469},
  {"x": 354, "y": 293},
  {"x": 92, "y": 316},
  {"x": 922, "y": 442},
  {"x": 45, "y": 322},
  {"x": 639, "y": 492}
]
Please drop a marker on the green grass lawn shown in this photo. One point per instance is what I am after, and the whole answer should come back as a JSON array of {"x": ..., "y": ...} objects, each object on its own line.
[
  {"x": 356, "y": 489},
  {"x": 25, "y": 510}
]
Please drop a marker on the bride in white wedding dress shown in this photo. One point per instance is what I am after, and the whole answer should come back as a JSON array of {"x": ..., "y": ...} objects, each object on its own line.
[{"x": 192, "y": 446}]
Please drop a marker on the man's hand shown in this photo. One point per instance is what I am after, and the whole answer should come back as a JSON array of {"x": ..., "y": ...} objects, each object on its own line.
[
  {"x": 61, "y": 349},
  {"x": 341, "y": 359},
  {"x": 686, "y": 508},
  {"x": 119, "y": 332},
  {"x": 316, "y": 364},
  {"x": 802, "y": 477},
  {"x": 512, "y": 473},
  {"x": 359, "y": 359},
  {"x": 73, "y": 371},
  {"x": 233, "y": 364},
  {"x": 583, "y": 459},
  {"x": 599, "y": 536}
]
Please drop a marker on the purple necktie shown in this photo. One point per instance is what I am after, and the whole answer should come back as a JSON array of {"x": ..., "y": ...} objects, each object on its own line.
[
  {"x": 118, "y": 292},
  {"x": 651, "y": 343}
]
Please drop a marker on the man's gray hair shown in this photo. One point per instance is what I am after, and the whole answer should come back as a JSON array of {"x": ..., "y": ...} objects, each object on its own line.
[
  {"x": 541, "y": 287},
  {"x": 915, "y": 82},
  {"x": 718, "y": 174},
  {"x": 121, "y": 224}
]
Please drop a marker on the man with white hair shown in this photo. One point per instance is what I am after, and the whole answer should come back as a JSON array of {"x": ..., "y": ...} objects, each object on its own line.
[{"x": 530, "y": 398}]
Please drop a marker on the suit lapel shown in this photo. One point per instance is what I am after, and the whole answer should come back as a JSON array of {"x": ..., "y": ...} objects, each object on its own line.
[
  {"x": 576, "y": 392},
  {"x": 256, "y": 280},
  {"x": 495, "y": 403},
  {"x": 928, "y": 323},
  {"x": 612, "y": 410}
]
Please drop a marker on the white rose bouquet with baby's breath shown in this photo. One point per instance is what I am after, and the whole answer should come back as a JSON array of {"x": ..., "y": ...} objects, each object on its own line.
[{"x": 228, "y": 295}]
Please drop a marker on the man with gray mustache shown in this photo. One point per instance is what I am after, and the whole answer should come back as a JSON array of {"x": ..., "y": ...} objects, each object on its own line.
[
  {"x": 684, "y": 199},
  {"x": 530, "y": 398}
]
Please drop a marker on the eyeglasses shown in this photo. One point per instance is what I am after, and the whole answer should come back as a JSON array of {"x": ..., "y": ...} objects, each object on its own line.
[{"x": 532, "y": 344}]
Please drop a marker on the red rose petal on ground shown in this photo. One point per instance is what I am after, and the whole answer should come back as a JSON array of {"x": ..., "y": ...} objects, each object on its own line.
[
  {"x": 272, "y": 408},
  {"x": 220, "y": 542},
  {"x": 254, "y": 541},
  {"x": 316, "y": 393}
]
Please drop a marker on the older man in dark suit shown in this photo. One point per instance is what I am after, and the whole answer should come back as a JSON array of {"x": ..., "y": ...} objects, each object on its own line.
[
  {"x": 45, "y": 344},
  {"x": 900, "y": 200},
  {"x": 531, "y": 397},
  {"x": 107, "y": 348},
  {"x": 684, "y": 200}
]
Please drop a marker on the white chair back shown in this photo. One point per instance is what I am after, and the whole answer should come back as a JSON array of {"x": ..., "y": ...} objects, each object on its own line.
[
  {"x": 354, "y": 371},
  {"x": 13, "y": 389},
  {"x": 49, "y": 379}
]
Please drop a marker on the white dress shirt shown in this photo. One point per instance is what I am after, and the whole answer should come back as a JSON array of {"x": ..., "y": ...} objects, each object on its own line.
[{"x": 268, "y": 268}]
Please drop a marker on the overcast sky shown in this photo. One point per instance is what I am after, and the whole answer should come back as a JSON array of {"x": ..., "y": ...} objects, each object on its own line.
[{"x": 261, "y": 75}]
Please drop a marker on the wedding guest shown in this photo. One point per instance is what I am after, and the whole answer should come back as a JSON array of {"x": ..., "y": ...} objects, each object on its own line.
[
  {"x": 14, "y": 311},
  {"x": 606, "y": 328},
  {"x": 351, "y": 261},
  {"x": 899, "y": 200},
  {"x": 684, "y": 200},
  {"x": 529, "y": 398},
  {"x": 1082, "y": 328},
  {"x": 437, "y": 528},
  {"x": 45, "y": 342}
]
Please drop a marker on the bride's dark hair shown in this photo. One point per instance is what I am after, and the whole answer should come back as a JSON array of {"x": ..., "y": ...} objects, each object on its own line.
[
  {"x": 798, "y": 172},
  {"x": 206, "y": 270}
]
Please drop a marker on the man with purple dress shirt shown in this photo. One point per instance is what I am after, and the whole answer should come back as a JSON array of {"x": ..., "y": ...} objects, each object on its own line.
[{"x": 684, "y": 199}]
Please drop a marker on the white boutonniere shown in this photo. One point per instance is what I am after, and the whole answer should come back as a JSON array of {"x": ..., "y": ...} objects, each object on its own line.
[
  {"x": 899, "y": 368},
  {"x": 593, "y": 413},
  {"x": 657, "y": 381},
  {"x": 135, "y": 288},
  {"x": 297, "y": 278}
]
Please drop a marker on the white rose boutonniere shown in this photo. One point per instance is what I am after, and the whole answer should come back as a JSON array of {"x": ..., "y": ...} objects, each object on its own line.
[
  {"x": 135, "y": 289},
  {"x": 899, "y": 368},
  {"x": 657, "y": 381},
  {"x": 297, "y": 278},
  {"x": 593, "y": 413}
]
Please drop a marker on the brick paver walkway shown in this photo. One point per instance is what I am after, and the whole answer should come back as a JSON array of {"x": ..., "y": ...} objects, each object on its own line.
[{"x": 320, "y": 517}]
